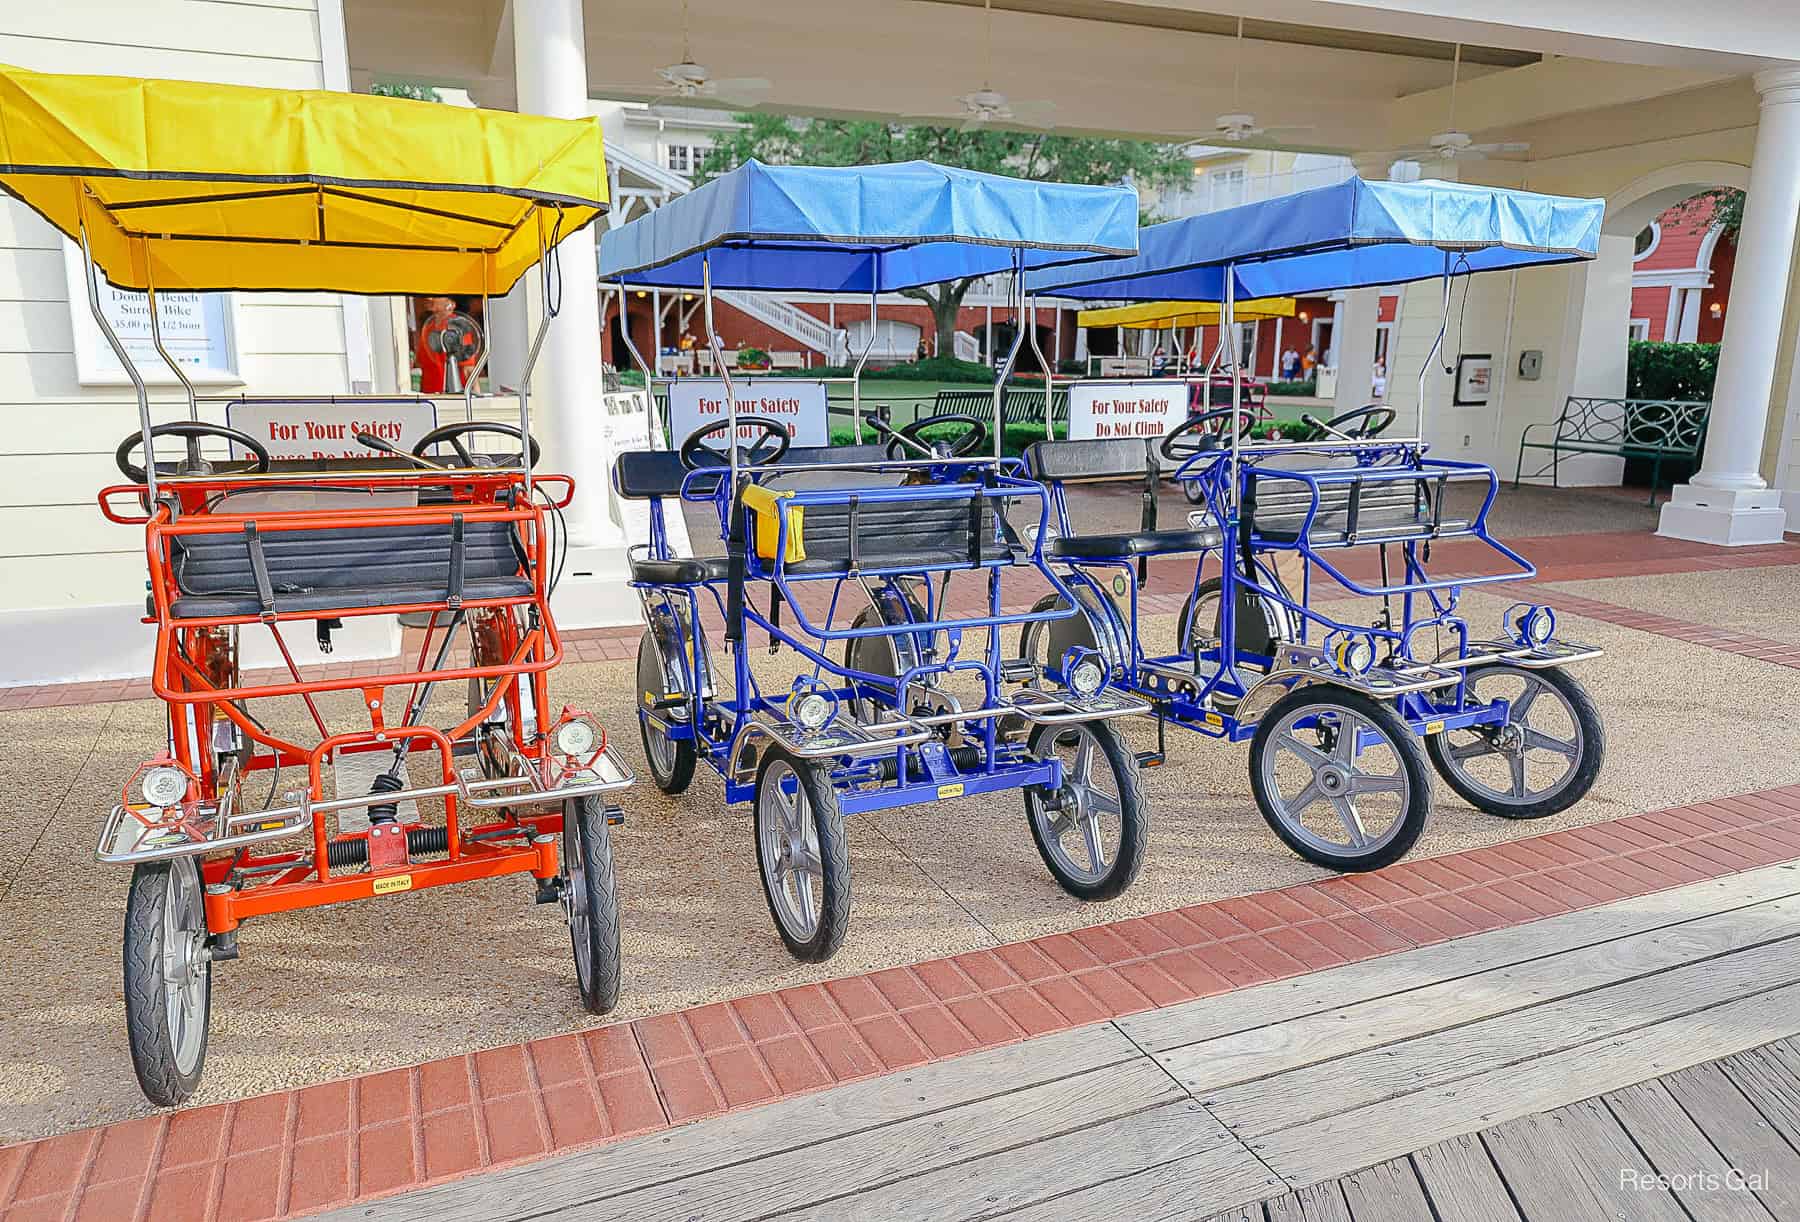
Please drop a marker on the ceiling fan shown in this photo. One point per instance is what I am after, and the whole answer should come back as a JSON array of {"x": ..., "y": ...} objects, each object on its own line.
[
  {"x": 1452, "y": 144},
  {"x": 692, "y": 81},
  {"x": 1240, "y": 126},
  {"x": 988, "y": 105}
]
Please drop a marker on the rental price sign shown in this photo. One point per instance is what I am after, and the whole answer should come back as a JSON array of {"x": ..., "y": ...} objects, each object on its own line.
[
  {"x": 1147, "y": 408},
  {"x": 797, "y": 404},
  {"x": 328, "y": 430}
]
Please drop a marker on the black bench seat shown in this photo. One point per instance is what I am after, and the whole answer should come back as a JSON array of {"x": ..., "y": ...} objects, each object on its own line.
[
  {"x": 1114, "y": 458},
  {"x": 1388, "y": 509},
  {"x": 349, "y": 568}
]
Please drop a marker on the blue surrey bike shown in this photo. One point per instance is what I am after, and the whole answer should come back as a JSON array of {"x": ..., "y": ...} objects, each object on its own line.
[
  {"x": 903, "y": 694},
  {"x": 1336, "y": 700}
]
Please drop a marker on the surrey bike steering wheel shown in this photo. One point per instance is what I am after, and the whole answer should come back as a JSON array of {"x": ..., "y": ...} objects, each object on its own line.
[
  {"x": 452, "y": 435},
  {"x": 908, "y": 442},
  {"x": 1374, "y": 419},
  {"x": 193, "y": 464},
  {"x": 769, "y": 447},
  {"x": 1193, "y": 436}
]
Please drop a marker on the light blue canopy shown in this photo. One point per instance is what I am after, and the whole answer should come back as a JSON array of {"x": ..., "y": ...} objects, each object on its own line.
[
  {"x": 1353, "y": 235},
  {"x": 861, "y": 228}
]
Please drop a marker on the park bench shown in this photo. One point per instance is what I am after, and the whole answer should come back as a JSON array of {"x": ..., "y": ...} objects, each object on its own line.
[
  {"x": 1657, "y": 430},
  {"x": 1017, "y": 407}
]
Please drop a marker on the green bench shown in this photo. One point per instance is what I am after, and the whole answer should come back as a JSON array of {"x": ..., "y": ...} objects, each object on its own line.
[
  {"x": 1020, "y": 405},
  {"x": 1658, "y": 430}
]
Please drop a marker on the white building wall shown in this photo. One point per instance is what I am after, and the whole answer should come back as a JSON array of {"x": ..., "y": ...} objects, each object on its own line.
[{"x": 72, "y": 584}]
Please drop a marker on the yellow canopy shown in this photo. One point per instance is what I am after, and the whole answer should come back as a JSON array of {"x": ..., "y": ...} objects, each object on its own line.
[
  {"x": 191, "y": 186},
  {"x": 1154, "y": 315}
]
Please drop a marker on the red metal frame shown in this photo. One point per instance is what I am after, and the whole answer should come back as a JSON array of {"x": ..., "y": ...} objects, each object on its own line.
[{"x": 195, "y": 671}]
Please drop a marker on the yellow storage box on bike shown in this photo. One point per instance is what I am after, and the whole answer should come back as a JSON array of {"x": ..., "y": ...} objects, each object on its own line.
[{"x": 766, "y": 504}]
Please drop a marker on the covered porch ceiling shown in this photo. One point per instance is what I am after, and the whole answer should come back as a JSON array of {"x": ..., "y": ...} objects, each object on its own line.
[{"x": 1354, "y": 78}]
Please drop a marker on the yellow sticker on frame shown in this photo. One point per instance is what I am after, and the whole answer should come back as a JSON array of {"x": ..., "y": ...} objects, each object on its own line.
[
  {"x": 392, "y": 883},
  {"x": 950, "y": 791}
]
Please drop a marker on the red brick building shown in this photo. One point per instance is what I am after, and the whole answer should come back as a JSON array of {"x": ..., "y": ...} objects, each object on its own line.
[{"x": 1681, "y": 277}]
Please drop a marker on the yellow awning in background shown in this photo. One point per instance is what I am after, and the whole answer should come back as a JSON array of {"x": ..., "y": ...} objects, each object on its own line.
[
  {"x": 1158, "y": 315},
  {"x": 224, "y": 187}
]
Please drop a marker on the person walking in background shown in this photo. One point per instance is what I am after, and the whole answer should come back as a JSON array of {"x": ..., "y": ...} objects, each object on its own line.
[
  {"x": 1307, "y": 362},
  {"x": 1290, "y": 365}
]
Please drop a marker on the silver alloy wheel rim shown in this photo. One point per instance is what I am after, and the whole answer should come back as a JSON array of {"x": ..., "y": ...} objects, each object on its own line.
[
  {"x": 185, "y": 963},
  {"x": 1338, "y": 778},
  {"x": 1203, "y": 610},
  {"x": 660, "y": 748},
  {"x": 575, "y": 899},
  {"x": 789, "y": 836},
  {"x": 1091, "y": 811},
  {"x": 1515, "y": 742}
]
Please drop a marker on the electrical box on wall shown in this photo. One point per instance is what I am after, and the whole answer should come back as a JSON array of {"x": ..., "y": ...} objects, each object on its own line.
[{"x": 1531, "y": 364}]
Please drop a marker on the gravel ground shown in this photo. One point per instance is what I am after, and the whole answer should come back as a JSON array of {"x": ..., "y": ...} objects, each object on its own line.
[
  {"x": 338, "y": 991},
  {"x": 1764, "y": 601}
]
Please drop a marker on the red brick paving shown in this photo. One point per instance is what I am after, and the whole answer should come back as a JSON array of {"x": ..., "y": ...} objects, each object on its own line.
[{"x": 294, "y": 1152}]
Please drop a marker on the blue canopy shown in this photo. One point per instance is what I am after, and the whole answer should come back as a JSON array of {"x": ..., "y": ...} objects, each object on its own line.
[
  {"x": 862, "y": 228},
  {"x": 1353, "y": 235}
]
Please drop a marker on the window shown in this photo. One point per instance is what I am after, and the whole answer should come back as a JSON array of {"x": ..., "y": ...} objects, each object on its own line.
[
  {"x": 678, "y": 158},
  {"x": 686, "y": 158},
  {"x": 1638, "y": 329},
  {"x": 1227, "y": 186},
  {"x": 1647, "y": 240}
]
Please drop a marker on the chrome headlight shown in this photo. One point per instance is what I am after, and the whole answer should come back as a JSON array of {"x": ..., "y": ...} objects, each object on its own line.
[
  {"x": 1530, "y": 624},
  {"x": 1084, "y": 672},
  {"x": 1352, "y": 653},
  {"x": 164, "y": 786},
  {"x": 577, "y": 737},
  {"x": 810, "y": 707}
]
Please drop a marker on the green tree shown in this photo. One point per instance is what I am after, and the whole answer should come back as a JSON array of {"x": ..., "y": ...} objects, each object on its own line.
[
  {"x": 792, "y": 140},
  {"x": 1719, "y": 206},
  {"x": 405, "y": 89}
]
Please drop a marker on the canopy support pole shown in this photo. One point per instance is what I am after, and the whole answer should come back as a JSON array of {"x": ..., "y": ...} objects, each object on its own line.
[
  {"x": 531, "y": 357},
  {"x": 856, "y": 374},
  {"x": 1229, "y": 322},
  {"x": 638, "y": 359},
  {"x": 157, "y": 339},
  {"x": 481, "y": 359},
  {"x": 718, "y": 356},
  {"x": 1015, "y": 292},
  {"x": 118, "y": 348},
  {"x": 1436, "y": 345},
  {"x": 1049, "y": 371}
]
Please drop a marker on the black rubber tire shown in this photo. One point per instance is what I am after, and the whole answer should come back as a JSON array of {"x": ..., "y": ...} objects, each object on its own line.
[
  {"x": 1210, "y": 588},
  {"x": 588, "y": 872},
  {"x": 1406, "y": 748},
  {"x": 163, "y": 1080},
  {"x": 1134, "y": 814},
  {"x": 650, "y": 678},
  {"x": 1192, "y": 491},
  {"x": 1587, "y": 769},
  {"x": 834, "y": 858}
]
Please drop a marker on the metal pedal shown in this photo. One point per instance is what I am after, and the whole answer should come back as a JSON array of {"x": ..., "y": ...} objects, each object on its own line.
[{"x": 1016, "y": 670}]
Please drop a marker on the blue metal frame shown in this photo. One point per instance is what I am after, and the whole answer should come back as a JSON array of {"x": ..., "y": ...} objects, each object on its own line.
[
  {"x": 866, "y": 780},
  {"x": 1426, "y": 603}
]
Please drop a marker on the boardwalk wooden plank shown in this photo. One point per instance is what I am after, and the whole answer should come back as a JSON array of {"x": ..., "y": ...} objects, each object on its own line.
[
  {"x": 742, "y": 1137},
  {"x": 1314, "y": 1038},
  {"x": 1680, "y": 1151},
  {"x": 1547, "y": 1186},
  {"x": 1616, "y": 1169},
  {"x": 1332, "y": 988},
  {"x": 1315, "y": 1091},
  {"x": 1748, "y": 1141},
  {"x": 1461, "y": 1183},
  {"x": 867, "y": 1161},
  {"x": 1041, "y": 1172},
  {"x": 1314, "y": 1203},
  {"x": 1770, "y": 1076},
  {"x": 1169, "y": 1192},
  {"x": 1389, "y": 1192},
  {"x": 1336, "y": 1145}
]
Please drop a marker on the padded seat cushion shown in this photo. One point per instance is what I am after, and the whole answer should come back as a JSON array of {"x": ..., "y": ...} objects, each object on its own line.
[
  {"x": 679, "y": 570},
  {"x": 1142, "y": 543},
  {"x": 316, "y": 570}
]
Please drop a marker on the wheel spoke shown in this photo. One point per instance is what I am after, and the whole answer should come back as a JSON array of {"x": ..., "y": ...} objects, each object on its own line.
[
  {"x": 1347, "y": 812},
  {"x": 1084, "y": 763},
  {"x": 1062, "y": 825},
  {"x": 1522, "y": 706},
  {"x": 1515, "y": 764},
  {"x": 1305, "y": 798},
  {"x": 1348, "y": 730},
  {"x": 1090, "y": 835},
  {"x": 806, "y": 861},
  {"x": 1364, "y": 782},
  {"x": 1100, "y": 802},
  {"x": 1313, "y": 757},
  {"x": 1481, "y": 746},
  {"x": 1543, "y": 742}
]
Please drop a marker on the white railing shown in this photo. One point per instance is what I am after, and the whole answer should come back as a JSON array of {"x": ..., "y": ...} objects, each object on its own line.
[
  {"x": 790, "y": 320},
  {"x": 968, "y": 348}
]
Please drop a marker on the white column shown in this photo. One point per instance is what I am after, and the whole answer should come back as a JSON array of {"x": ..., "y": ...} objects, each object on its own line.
[
  {"x": 550, "y": 64},
  {"x": 1353, "y": 341},
  {"x": 1727, "y": 501}
]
